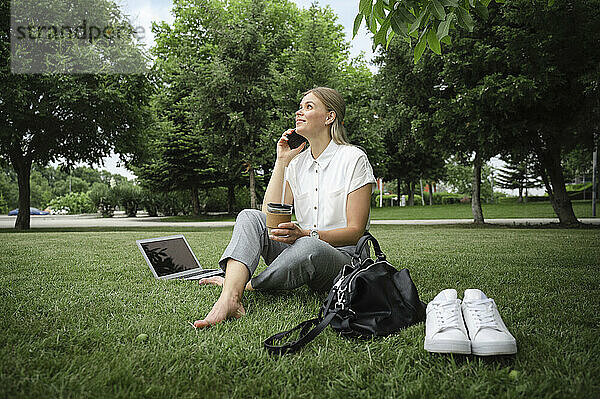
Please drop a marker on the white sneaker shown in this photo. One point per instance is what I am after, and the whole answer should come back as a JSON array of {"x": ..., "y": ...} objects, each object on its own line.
[
  {"x": 445, "y": 330},
  {"x": 489, "y": 336}
]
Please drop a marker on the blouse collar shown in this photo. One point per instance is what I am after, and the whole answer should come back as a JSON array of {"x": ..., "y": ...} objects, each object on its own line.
[{"x": 327, "y": 155}]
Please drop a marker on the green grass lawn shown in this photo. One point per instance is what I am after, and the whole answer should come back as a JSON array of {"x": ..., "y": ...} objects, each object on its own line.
[
  {"x": 582, "y": 209},
  {"x": 199, "y": 218},
  {"x": 73, "y": 303}
]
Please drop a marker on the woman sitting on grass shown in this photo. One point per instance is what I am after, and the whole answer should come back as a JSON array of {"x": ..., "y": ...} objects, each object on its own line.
[{"x": 330, "y": 187}]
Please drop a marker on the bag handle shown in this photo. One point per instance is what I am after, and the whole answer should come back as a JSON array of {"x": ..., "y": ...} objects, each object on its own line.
[
  {"x": 310, "y": 329},
  {"x": 361, "y": 244},
  {"x": 306, "y": 334}
]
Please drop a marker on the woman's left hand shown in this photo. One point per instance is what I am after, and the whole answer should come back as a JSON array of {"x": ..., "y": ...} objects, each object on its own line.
[{"x": 287, "y": 233}]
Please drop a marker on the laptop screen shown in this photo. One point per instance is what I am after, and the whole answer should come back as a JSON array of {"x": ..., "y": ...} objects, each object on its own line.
[{"x": 169, "y": 256}]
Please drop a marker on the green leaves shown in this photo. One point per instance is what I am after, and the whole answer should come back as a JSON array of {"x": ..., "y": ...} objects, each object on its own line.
[
  {"x": 397, "y": 22},
  {"x": 444, "y": 27},
  {"x": 429, "y": 21},
  {"x": 378, "y": 11},
  {"x": 449, "y": 3},
  {"x": 465, "y": 20},
  {"x": 381, "y": 35},
  {"x": 365, "y": 7},
  {"x": 433, "y": 41},
  {"x": 482, "y": 10},
  {"x": 438, "y": 10},
  {"x": 420, "y": 48},
  {"x": 357, "y": 22},
  {"x": 417, "y": 23}
]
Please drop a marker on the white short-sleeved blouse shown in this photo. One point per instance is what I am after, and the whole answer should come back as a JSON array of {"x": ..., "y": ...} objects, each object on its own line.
[{"x": 321, "y": 186}]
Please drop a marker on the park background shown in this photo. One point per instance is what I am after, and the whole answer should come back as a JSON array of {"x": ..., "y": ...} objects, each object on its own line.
[
  {"x": 506, "y": 108},
  {"x": 515, "y": 81}
]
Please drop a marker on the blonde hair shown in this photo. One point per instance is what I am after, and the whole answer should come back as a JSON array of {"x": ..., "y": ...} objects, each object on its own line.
[{"x": 333, "y": 101}]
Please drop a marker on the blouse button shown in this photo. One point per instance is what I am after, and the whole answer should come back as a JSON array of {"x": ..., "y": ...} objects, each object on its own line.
[{"x": 315, "y": 208}]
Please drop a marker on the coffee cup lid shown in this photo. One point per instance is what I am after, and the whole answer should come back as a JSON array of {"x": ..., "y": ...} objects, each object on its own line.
[{"x": 276, "y": 205}]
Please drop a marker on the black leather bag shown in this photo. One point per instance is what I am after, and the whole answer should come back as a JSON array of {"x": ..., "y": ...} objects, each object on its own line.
[{"x": 370, "y": 298}]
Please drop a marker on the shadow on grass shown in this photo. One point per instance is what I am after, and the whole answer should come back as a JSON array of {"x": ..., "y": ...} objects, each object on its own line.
[{"x": 499, "y": 360}]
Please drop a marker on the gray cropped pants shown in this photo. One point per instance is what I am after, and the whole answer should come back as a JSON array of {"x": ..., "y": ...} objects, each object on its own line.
[{"x": 307, "y": 261}]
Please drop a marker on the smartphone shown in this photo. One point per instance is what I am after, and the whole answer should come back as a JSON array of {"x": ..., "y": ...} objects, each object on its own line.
[{"x": 295, "y": 140}]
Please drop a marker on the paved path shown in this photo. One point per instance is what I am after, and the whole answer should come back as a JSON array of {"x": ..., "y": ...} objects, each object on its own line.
[{"x": 58, "y": 221}]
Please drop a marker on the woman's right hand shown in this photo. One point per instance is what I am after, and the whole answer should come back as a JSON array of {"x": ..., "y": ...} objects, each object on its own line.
[{"x": 284, "y": 153}]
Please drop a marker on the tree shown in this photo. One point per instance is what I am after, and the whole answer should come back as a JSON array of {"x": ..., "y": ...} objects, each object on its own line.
[
  {"x": 233, "y": 95},
  {"x": 519, "y": 174},
  {"x": 231, "y": 77},
  {"x": 80, "y": 118},
  {"x": 357, "y": 87},
  {"x": 459, "y": 177},
  {"x": 577, "y": 164},
  {"x": 555, "y": 49},
  {"x": 174, "y": 158},
  {"x": 215, "y": 64},
  {"x": 405, "y": 121},
  {"x": 315, "y": 57},
  {"x": 8, "y": 186},
  {"x": 479, "y": 90},
  {"x": 178, "y": 162},
  {"x": 516, "y": 85}
]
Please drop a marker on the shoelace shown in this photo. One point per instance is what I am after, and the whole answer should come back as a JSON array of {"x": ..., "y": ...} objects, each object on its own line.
[
  {"x": 446, "y": 314},
  {"x": 482, "y": 311}
]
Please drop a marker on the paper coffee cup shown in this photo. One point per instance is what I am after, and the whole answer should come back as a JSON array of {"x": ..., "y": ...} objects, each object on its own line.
[{"x": 277, "y": 213}]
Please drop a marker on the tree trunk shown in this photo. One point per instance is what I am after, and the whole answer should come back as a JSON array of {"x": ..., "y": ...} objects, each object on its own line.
[
  {"x": 23, "y": 169},
  {"x": 554, "y": 180},
  {"x": 431, "y": 193},
  {"x": 520, "y": 199},
  {"x": 398, "y": 191},
  {"x": 476, "y": 197},
  {"x": 252, "y": 187},
  {"x": 230, "y": 198},
  {"x": 411, "y": 194},
  {"x": 195, "y": 202}
]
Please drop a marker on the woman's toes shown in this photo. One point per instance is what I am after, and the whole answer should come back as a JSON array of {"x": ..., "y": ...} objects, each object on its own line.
[
  {"x": 212, "y": 280},
  {"x": 239, "y": 312},
  {"x": 201, "y": 323},
  {"x": 222, "y": 310}
]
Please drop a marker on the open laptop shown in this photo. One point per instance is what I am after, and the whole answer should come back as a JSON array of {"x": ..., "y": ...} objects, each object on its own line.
[{"x": 171, "y": 257}]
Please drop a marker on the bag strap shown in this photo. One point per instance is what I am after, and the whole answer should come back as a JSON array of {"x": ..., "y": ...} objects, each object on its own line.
[
  {"x": 310, "y": 329},
  {"x": 306, "y": 334},
  {"x": 361, "y": 244}
]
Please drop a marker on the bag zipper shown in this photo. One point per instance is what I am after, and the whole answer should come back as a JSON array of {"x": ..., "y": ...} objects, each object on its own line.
[{"x": 352, "y": 277}]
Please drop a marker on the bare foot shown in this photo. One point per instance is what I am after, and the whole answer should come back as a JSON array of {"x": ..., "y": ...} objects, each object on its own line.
[
  {"x": 225, "y": 308},
  {"x": 215, "y": 280}
]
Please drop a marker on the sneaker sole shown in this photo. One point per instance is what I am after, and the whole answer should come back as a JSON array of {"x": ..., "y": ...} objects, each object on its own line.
[
  {"x": 459, "y": 347},
  {"x": 494, "y": 349}
]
